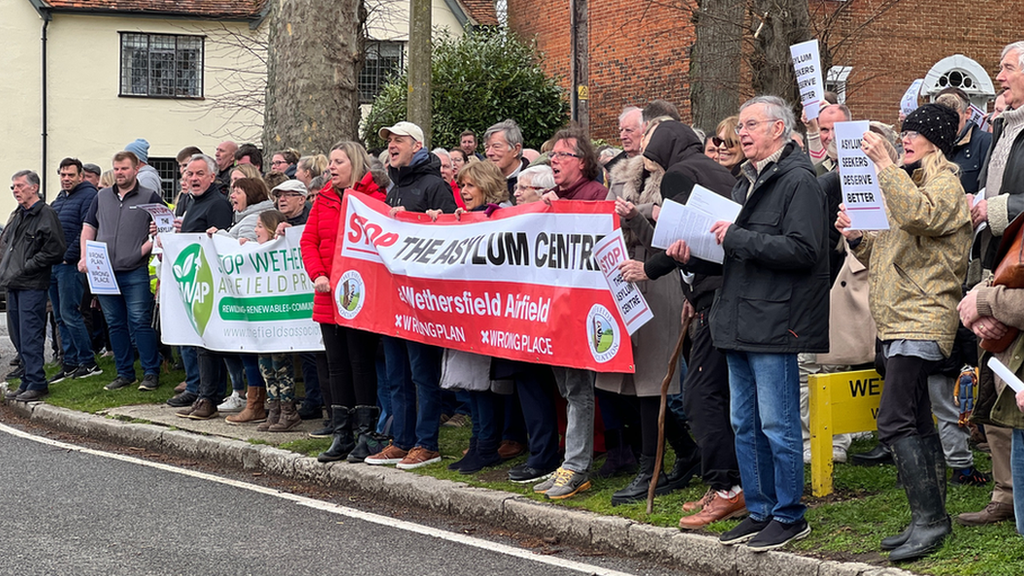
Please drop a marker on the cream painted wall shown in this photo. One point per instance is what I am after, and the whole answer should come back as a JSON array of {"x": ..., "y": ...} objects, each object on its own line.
[
  {"x": 86, "y": 117},
  {"x": 20, "y": 88}
]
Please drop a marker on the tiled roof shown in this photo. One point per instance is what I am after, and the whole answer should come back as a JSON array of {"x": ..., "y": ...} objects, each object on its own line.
[
  {"x": 482, "y": 11},
  {"x": 234, "y": 9}
]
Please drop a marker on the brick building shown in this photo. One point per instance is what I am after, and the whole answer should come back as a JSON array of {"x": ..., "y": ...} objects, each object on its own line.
[{"x": 639, "y": 51}]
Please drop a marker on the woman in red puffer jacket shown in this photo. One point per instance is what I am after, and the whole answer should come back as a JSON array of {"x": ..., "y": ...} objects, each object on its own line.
[{"x": 352, "y": 381}]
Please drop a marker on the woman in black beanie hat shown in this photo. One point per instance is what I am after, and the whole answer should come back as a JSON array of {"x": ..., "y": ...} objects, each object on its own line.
[{"x": 916, "y": 271}]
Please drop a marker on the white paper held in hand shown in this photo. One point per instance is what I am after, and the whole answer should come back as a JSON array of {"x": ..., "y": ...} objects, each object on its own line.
[
  {"x": 692, "y": 223},
  {"x": 1004, "y": 373}
]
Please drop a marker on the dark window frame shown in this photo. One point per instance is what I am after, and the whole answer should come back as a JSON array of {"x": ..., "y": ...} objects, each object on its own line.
[
  {"x": 373, "y": 75},
  {"x": 131, "y": 88},
  {"x": 170, "y": 177}
]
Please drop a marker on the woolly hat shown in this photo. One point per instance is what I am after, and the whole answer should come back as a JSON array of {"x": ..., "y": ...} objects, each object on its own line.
[
  {"x": 140, "y": 148},
  {"x": 935, "y": 122}
]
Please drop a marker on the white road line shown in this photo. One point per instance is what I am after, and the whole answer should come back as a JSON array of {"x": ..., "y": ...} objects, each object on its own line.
[{"x": 336, "y": 509}]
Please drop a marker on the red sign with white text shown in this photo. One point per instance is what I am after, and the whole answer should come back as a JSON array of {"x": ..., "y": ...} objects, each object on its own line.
[{"x": 521, "y": 284}]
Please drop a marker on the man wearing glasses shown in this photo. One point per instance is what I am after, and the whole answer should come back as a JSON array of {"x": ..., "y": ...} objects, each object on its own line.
[
  {"x": 773, "y": 305},
  {"x": 32, "y": 241},
  {"x": 290, "y": 198}
]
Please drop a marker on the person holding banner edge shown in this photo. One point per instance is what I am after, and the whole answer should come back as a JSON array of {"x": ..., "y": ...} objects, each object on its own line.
[
  {"x": 351, "y": 389},
  {"x": 916, "y": 272},
  {"x": 413, "y": 369}
]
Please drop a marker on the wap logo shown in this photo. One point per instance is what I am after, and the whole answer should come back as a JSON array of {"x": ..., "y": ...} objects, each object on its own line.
[{"x": 195, "y": 283}]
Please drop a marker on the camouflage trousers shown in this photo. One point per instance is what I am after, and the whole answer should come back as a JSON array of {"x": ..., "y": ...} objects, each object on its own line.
[{"x": 279, "y": 375}]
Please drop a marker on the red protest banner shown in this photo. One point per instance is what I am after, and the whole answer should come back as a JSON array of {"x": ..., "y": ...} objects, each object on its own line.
[{"x": 521, "y": 284}]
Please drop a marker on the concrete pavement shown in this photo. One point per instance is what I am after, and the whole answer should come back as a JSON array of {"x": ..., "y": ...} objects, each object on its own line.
[{"x": 699, "y": 553}]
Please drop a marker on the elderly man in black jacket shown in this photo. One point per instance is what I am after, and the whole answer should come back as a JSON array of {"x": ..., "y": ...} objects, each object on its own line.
[
  {"x": 32, "y": 242},
  {"x": 773, "y": 304}
]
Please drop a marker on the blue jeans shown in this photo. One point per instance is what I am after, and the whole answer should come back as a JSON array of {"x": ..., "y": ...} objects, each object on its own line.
[
  {"x": 539, "y": 414},
  {"x": 383, "y": 396},
  {"x": 484, "y": 412},
  {"x": 26, "y": 319},
  {"x": 130, "y": 319},
  {"x": 765, "y": 394},
  {"x": 243, "y": 370},
  {"x": 190, "y": 359},
  {"x": 66, "y": 290},
  {"x": 414, "y": 374},
  {"x": 1017, "y": 471}
]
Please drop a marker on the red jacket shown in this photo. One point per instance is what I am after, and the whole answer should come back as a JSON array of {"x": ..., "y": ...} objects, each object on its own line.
[{"x": 320, "y": 239}]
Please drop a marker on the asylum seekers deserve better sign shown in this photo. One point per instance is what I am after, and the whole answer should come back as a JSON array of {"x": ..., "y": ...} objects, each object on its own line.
[
  {"x": 522, "y": 284},
  {"x": 228, "y": 297}
]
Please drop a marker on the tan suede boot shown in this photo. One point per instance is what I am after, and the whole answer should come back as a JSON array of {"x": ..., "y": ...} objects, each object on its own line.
[
  {"x": 254, "y": 410},
  {"x": 273, "y": 415},
  {"x": 289, "y": 418}
]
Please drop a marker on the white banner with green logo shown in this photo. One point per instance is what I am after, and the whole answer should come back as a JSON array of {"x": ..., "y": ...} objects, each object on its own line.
[{"x": 228, "y": 297}]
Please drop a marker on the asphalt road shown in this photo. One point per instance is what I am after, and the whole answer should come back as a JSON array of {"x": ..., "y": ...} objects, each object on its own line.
[{"x": 69, "y": 511}]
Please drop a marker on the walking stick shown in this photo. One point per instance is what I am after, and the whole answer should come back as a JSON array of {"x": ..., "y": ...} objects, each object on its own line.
[{"x": 661, "y": 413}]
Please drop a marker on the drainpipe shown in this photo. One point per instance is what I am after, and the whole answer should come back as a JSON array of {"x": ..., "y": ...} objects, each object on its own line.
[{"x": 44, "y": 170}]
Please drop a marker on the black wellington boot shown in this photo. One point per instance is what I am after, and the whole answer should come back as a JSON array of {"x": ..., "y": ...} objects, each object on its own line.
[
  {"x": 930, "y": 523},
  {"x": 364, "y": 426},
  {"x": 343, "y": 443},
  {"x": 936, "y": 460},
  {"x": 636, "y": 491}
]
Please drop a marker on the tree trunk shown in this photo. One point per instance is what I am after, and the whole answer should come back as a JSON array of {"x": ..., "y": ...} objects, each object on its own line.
[
  {"x": 313, "y": 62},
  {"x": 715, "y": 62},
  {"x": 785, "y": 22},
  {"x": 418, "y": 104}
]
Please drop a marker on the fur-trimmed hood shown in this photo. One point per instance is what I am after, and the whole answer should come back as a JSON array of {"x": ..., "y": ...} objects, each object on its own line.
[{"x": 637, "y": 185}]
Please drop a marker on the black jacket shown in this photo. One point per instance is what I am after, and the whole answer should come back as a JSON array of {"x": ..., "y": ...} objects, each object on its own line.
[
  {"x": 32, "y": 242},
  {"x": 1013, "y": 184},
  {"x": 774, "y": 295},
  {"x": 419, "y": 186},
  {"x": 833, "y": 189},
  {"x": 210, "y": 209},
  {"x": 676, "y": 147},
  {"x": 968, "y": 153}
]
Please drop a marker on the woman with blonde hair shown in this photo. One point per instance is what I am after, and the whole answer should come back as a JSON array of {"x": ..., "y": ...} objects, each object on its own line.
[
  {"x": 351, "y": 390},
  {"x": 730, "y": 151},
  {"x": 310, "y": 167},
  {"x": 917, "y": 268}
]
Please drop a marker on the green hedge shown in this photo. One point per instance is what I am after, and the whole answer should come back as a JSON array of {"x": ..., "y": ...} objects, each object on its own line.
[{"x": 478, "y": 80}]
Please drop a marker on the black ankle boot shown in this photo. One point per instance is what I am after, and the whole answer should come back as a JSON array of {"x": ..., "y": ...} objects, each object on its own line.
[
  {"x": 364, "y": 426},
  {"x": 481, "y": 456},
  {"x": 930, "y": 523},
  {"x": 619, "y": 459},
  {"x": 343, "y": 443},
  {"x": 688, "y": 461},
  {"x": 328, "y": 428},
  {"x": 636, "y": 491}
]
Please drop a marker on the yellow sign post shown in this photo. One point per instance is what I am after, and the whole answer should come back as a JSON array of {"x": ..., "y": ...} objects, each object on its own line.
[{"x": 840, "y": 403}]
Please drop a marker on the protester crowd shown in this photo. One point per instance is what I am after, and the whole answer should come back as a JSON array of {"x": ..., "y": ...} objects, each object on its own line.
[{"x": 799, "y": 292}]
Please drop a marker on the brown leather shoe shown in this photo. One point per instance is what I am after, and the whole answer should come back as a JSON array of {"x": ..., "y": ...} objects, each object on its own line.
[
  {"x": 289, "y": 418},
  {"x": 509, "y": 449},
  {"x": 716, "y": 509},
  {"x": 695, "y": 505},
  {"x": 203, "y": 409},
  {"x": 994, "y": 512},
  {"x": 180, "y": 388},
  {"x": 254, "y": 410}
]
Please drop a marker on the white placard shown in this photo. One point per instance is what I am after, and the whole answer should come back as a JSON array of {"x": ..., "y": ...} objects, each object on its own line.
[
  {"x": 979, "y": 117},
  {"x": 162, "y": 216},
  {"x": 609, "y": 253},
  {"x": 100, "y": 274},
  {"x": 807, "y": 65},
  {"x": 692, "y": 222},
  {"x": 859, "y": 181},
  {"x": 909, "y": 101},
  {"x": 1005, "y": 374}
]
